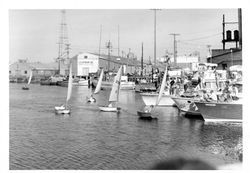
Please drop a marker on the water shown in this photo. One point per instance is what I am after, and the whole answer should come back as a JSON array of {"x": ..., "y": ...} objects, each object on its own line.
[{"x": 90, "y": 139}]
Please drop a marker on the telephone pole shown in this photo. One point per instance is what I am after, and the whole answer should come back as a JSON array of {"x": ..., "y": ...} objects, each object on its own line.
[
  {"x": 155, "y": 35},
  {"x": 209, "y": 53},
  {"x": 175, "y": 47}
]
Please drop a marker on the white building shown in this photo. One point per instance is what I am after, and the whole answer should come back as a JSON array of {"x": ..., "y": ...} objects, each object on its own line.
[
  {"x": 89, "y": 63},
  {"x": 85, "y": 63}
]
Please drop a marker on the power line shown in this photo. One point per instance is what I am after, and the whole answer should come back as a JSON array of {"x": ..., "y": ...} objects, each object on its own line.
[{"x": 200, "y": 38}]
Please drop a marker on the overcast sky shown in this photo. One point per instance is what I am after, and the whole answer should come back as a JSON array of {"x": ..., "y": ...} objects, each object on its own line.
[{"x": 34, "y": 33}]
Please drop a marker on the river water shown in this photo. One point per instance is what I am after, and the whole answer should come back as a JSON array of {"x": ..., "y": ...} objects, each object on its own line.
[{"x": 90, "y": 139}]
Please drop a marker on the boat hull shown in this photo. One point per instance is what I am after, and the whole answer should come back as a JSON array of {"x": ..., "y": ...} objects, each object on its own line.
[
  {"x": 63, "y": 111},
  {"x": 108, "y": 85},
  {"x": 147, "y": 87},
  {"x": 145, "y": 115},
  {"x": 187, "y": 106},
  {"x": 81, "y": 83},
  {"x": 25, "y": 88},
  {"x": 213, "y": 111},
  {"x": 150, "y": 99},
  {"x": 57, "y": 108},
  {"x": 108, "y": 109}
]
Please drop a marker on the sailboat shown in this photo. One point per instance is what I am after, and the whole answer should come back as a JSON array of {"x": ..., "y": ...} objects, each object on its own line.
[
  {"x": 97, "y": 89},
  {"x": 63, "y": 109},
  {"x": 25, "y": 87},
  {"x": 114, "y": 94},
  {"x": 147, "y": 113}
]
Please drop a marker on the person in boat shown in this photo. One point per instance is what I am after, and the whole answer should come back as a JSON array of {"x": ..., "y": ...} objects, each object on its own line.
[
  {"x": 212, "y": 96},
  {"x": 234, "y": 93},
  {"x": 110, "y": 105},
  {"x": 204, "y": 96},
  {"x": 226, "y": 93},
  {"x": 91, "y": 98},
  {"x": 148, "y": 109}
]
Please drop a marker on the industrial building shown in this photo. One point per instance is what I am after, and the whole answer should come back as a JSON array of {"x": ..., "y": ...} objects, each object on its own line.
[
  {"x": 22, "y": 69},
  {"x": 85, "y": 64},
  {"x": 227, "y": 57}
]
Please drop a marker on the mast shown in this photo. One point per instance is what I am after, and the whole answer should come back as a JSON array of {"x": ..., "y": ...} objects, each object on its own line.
[
  {"x": 142, "y": 60},
  {"x": 118, "y": 41},
  {"x": 100, "y": 41}
]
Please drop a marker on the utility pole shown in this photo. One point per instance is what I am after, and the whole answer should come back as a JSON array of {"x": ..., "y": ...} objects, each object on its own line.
[
  {"x": 223, "y": 31},
  {"x": 175, "y": 47},
  {"x": 142, "y": 59},
  {"x": 209, "y": 53},
  {"x": 155, "y": 35}
]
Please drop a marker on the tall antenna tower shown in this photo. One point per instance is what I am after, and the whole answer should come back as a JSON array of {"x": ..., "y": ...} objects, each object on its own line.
[{"x": 63, "y": 41}]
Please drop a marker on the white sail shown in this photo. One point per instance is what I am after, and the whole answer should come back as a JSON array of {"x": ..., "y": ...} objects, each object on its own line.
[
  {"x": 116, "y": 87},
  {"x": 98, "y": 87},
  {"x": 163, "y": 84},
  {"x": 30, "y": 77},
  {"x": 69, "y": 84}
]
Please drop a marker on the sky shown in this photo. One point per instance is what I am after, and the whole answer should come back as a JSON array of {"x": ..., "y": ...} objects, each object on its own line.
[{"x": 33, "y": 34}]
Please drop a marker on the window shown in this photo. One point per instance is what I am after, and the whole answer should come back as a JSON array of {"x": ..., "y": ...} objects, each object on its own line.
[
  {"x": 85, "y": 57},
  {"x": 25, "y": 72}
]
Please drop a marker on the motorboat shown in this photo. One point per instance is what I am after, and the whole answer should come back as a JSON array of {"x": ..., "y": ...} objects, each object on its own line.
[
  {"x": 220, "y": 111},
  {"x": 187, "y": 106}
]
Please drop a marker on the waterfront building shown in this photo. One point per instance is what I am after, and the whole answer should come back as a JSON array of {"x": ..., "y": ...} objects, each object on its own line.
[
  {"x": 184, "y": 61},
  {"x": 85, "y": 64},
  {"x": 22, "y": 68}
]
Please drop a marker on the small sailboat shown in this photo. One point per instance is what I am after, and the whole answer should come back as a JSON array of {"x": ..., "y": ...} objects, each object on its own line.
[
  {"x": 91, "y": 99},
  {"x": 146, "y": 113},
  {"x": 25, "y": 87},
  {"x": 114, "y": 94},
  {"x": 63, "y": 109}
]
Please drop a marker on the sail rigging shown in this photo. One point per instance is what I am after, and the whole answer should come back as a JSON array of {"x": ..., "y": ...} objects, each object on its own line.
[
  {"x": 30, "y": 77},
  {"x": 116, "y": 87},
  {"x": 69, "y": 84},
  {"x": 163, "y": 84},
  {"x": 98, "y": 87}
]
